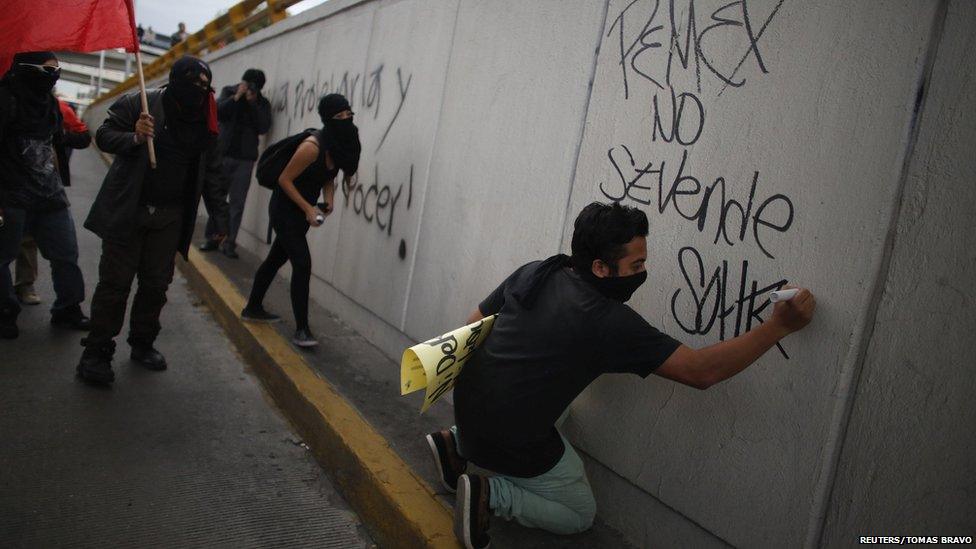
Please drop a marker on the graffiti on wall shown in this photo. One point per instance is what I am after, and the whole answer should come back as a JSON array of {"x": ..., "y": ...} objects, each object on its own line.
[
  {"x": 377, "y": 96},
  {"x": 679, "y": 51}
]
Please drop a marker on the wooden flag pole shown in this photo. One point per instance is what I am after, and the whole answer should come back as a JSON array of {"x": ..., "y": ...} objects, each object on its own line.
[{"x": 145, "y": 108}]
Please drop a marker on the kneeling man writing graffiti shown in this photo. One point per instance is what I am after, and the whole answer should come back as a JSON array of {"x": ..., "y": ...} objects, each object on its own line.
[{"x": 560, "y": 324}]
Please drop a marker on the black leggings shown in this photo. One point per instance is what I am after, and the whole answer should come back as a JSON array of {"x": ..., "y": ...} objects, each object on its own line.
[{"x": 289, "y": 245}]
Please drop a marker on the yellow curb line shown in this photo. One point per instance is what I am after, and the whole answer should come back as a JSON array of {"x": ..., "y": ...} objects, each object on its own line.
[{"x": 398, "y": 507}]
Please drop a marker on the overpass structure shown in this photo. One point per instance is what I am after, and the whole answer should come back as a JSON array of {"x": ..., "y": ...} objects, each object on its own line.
[
  {"x": 90, "y": 68},
  {"x": 242, "y": 19},
  {"x": 113, "y": 71}
]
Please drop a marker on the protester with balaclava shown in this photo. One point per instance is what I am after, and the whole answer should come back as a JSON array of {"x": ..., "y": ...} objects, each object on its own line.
[
  {"x": 74, "y": 136},
  {"x": 146, "y": 215},
  {"x": 33, "y": 174},
  {"x": 312, "y": 170},
  {"x": 244, "y": 114}
]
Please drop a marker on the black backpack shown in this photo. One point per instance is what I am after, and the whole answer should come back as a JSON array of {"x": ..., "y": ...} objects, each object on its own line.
[{"x": 274, "y": 159}]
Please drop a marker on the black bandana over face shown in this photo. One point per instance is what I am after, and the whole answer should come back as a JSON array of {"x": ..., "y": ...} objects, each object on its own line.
[
  {"x": 37, "y": 110},
  {"x": 341, "y": 136},
  {"x": 618, "y": 288},
  {"x": 185, "y": 103}
]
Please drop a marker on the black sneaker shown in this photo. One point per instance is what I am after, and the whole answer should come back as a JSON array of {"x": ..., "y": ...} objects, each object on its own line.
[
  {"x": 449, "y": 463},
  {"x": 209, "y": 246},
  {"x": 472, "y": 511},
  {"x": 148, "y": 357},
  {"x": 71, "y": 317},
  {"x": 258, "y": 314},
  {"x": 303, "y": 338},
  {"x": 96, "y": 366}
]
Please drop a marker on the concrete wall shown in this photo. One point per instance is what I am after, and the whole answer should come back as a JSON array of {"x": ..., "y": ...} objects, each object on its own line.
[
  {"x": 825, "y": 143},
  {"x": 907, "y": 461}
]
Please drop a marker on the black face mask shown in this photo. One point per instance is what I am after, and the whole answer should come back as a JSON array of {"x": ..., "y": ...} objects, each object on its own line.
[
  {"x": 38, "y": 82},
  {"x": 618, "y": 288},
  {"x": 344, "y": 130},
  {"x": 343, "y": 143},
  {"x": 189, "y": 97},
  {"x": 37, "y": 109},
  {"x": 186, "y": 115}
]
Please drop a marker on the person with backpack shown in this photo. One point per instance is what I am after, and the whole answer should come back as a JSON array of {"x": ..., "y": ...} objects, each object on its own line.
[
  {"x": 145, "y": 215},
  {"x": 33, "y": 175},
  {"x": 243, "y": 114},
  {"x": 303, "y": 165}
]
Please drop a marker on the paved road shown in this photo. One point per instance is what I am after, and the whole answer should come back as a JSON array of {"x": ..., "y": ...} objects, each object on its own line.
[{"x": 193, "y": 456}]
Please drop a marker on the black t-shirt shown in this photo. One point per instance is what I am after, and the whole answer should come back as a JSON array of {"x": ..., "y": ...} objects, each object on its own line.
[
  {"x": 536, "y": 361},
  {"x": 167, "y": 185},
  {"x": 309, "y": 184}
]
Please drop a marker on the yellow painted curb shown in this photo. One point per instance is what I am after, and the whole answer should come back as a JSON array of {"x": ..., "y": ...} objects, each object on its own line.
[{"x": 398, "y": 507}]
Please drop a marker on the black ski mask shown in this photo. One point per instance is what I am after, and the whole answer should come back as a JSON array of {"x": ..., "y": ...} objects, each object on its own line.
[
  {"x": 185, "y": 102},
  {"x": 341, "y": 136},
  {"x": 37, "y": 109},
  {"x": 618, "y": 288}
]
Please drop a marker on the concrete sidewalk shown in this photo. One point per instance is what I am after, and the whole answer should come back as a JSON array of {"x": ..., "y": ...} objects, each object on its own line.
[{"x": 196, "y": 456}]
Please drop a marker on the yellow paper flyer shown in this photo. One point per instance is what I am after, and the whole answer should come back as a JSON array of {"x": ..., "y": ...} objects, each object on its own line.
[{"x": 435, "y": 364}]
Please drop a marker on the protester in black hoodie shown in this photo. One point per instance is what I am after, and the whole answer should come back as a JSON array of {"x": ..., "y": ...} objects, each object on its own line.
[
  {"x": 145, "y": 216},
  {"x": 312, "y": 170},
  {"x": 244, "y": 114},
  {"x": 33, "y": 173}
]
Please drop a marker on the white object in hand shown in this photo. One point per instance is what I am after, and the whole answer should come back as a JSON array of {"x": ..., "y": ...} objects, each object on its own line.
[
  {"x": 782, "y": 295},
  {"x": 319, "y": 219}
]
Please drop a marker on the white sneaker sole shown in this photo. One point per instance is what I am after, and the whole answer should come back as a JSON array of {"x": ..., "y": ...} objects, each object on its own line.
[
  {"x": 437, "y": 461},
  {"x": 462, "y": 524},
  {"x": 305, "y": 344},
  {"x": 462, "y": 512}
]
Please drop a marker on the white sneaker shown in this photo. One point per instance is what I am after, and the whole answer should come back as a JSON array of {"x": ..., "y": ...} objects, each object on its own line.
[{"x": 28, "y": 296}]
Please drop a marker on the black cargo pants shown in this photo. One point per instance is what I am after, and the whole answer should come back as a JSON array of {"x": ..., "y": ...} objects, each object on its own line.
[{"x": 150, "y": 253}]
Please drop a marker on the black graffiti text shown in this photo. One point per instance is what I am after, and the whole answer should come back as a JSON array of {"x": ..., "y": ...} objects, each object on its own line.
[
  {"x": 685, "y": 40},
  {"x": 708, "y": 299},
  {"x": 294, "y": 99},
  {"x": 668, "y": 189},
  {"x": 377, "y": 202}
]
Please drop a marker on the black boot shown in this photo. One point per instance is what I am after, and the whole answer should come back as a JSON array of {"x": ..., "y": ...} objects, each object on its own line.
[
  {"x": 71, "y": 317},
  {"x": 96, "y": 364},
  {"x": 148, "y": 357}
]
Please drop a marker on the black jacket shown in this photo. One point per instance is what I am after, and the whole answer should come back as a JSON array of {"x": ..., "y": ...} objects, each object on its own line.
[
  {"x": 115, "y": 211},
  {"x": 241, "y": 122},
  {"x": 14, "y": 176}
]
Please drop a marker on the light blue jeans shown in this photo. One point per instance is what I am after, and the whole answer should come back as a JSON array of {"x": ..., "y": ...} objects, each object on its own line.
[{"x": 559, "y": 500}]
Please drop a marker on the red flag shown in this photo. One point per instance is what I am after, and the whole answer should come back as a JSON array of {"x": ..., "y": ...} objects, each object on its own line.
[{"x": 73, "y": 25}]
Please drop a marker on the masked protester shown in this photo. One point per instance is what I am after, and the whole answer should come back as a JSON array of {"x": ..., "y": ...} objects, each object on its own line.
[
  {"x": 33, "y": 174},
  {"x": 244, "y": 114},
  {"x": 145, "y": 216},
  {"x": 75, "y": 136},
  {"x": 561, "y": 324},
  {"x": 312, "y": 170}
]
